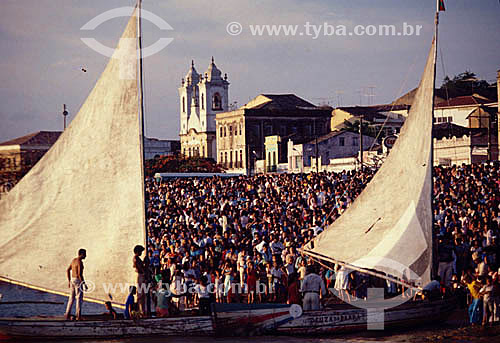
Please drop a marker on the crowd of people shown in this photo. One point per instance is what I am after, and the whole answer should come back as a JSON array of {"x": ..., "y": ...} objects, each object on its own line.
[
  {"x": 242, "y": 234},
  {"x": 466, "y": 216}
]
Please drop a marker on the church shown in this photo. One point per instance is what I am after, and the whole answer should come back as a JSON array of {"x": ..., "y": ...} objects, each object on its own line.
[{"x": 201, "y": 98}]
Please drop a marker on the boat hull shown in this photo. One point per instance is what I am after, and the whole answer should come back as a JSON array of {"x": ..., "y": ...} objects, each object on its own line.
[
  {"x": 38, "y": 328},
  {"x": 234, "y": 320},
  {"x": 337, "y": 319}
]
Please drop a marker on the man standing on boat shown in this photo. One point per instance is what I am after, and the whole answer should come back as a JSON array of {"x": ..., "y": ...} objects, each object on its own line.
[
  {"x": 141, "y": 278},
  {"x": 76, "y": 282},
  {"x": 312, "y": 285}
]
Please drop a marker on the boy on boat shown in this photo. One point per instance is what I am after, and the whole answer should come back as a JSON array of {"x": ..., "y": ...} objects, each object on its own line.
[
  {"x": 111, "y": 313},
  {"x": 141, "y": 278},
  {"x": 77, "y": 284}
]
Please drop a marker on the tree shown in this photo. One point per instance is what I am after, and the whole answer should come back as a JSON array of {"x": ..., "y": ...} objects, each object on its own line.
[
  {"x": 367, "y": 129},
  {"x": 465, "y": 83},
  {"x": 176, "y": 164}
]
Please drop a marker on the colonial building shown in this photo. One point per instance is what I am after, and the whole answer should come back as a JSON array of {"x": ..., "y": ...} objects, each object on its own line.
[
  {"x": 388, "y": 117},
  {"x": 458, "y": 110},
  {"x": 455, "y": 144},
  {"x": 321, "y": 154},
  {"x": 18, "y": 155},
  {"x": 241, "y": 133},
  {"x": 201, "y": 98},
  {"x": 154, "y": 147}
]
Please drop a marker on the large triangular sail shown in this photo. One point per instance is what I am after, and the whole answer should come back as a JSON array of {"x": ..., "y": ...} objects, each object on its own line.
[
  {"x": 388, "y": 228},
  {"x": 86, "y": 192}
]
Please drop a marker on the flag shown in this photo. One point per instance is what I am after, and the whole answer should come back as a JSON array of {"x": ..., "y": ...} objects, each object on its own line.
[{"x": 441, "y": 6}]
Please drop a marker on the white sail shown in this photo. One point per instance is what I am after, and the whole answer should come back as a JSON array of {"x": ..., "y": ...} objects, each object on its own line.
[
  {"x": 86, "y": 192},
  {"x": 388, "y": 228}
]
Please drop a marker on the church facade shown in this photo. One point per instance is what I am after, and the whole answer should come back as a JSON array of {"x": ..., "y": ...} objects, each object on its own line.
[{"x": 201, "y": 98}]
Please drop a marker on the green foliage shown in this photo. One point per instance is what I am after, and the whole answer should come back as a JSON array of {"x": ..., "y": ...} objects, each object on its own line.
[
  {"x": 178, "y": 164},
  {"x": 465, "y": 83},
  {"x": 367, "y": 129}
]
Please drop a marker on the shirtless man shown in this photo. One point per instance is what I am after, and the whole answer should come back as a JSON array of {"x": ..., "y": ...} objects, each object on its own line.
[
  {"x": 141, "y": 278},
  {"x": 76, "y": 282}
]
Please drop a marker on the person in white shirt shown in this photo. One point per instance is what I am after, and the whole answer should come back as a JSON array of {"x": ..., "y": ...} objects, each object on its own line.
[
  {"x": 313, "y": 289},
  {"x": 203, "y": 296}
]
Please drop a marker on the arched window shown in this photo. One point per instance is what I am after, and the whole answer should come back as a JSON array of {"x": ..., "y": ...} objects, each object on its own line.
[
  {"x": 231, "y": 159},
  {"x": 241, "y": 158},
  {"x": 220, "y": 131},
  {"x": 184, "y": 104},
  {"x": 230, "y": 130},
  {"x": 216, "y": 102},
  {"x": 202, "y": 101},
  {"x": 240, "y": 128},
  {"x": 221, "y": 158},
  {"x": 225, "y": 132}
]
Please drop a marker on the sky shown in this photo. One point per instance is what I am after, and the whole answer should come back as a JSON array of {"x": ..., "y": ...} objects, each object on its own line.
[{"x": 42, "y": 55}]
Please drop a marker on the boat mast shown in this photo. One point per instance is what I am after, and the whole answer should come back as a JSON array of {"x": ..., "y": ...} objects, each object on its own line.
[
  {"x": 434, "y": 252},
  {"x": 141, "y": 114}
]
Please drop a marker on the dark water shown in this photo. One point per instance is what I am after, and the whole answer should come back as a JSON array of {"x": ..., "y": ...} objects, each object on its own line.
[
  {"x": 10, "y": 293},
  {"x": 449, "y": 331}
]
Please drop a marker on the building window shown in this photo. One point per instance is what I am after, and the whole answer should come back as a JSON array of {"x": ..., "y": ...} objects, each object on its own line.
[
  {"x": 221, "y": 158},
  {"x": 203, "y": 151},
  {"x": 355, "y": 141},
  {"x": 231, "y": 159},
  {"x": 202, "y": 101},
  {"x": 268, "y": 129},
  {"x": 225, "y": 132},
  {"x": 225, "y": 159},
  {"x": 282, "y": 130},
  {"x": 240, "y": 128},
  {"x": 220, "y": 131},
  {"x": 241, "y": 158},
  {"x": 230, "y": 130},
  {"x": 216, "y": 102},
  {"x": 184, "y": 104},
  {"x": 341, "y": 141},
  {"x": 308, "y": 130}
]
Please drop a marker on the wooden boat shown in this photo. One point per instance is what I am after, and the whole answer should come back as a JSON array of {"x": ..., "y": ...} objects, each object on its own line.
[
  {"x": 229, "y": 320},
  {"x": 99, "y": 158},
  {"x": 248, "y": 320},
  {"x": 97, "y": 327}
]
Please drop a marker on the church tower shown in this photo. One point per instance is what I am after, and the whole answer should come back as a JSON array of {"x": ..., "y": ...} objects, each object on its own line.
[{"x": 201, "y": 98}]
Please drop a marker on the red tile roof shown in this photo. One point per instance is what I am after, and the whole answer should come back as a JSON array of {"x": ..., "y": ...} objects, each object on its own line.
[
  {"x": 36, "y": 138},
  {"x": 469, "y": 100}
]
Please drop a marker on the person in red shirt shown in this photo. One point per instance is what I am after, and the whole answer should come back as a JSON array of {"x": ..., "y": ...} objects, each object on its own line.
[
  {"x": 293, "y": 289},
  {"x": 251, "y": 282}
]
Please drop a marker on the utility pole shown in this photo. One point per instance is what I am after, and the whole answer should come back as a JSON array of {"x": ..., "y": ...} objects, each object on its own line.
[
  {"x": 361, "y": 141},
  {"x": 316, "y": 145},
  {"x": 489, "y": 135},
  {"x": 339, "y": 94},
  {"x": 65, "y": 114},
  {"x": 370, "y": 94},
  {"x": 360, "y": 93}
]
